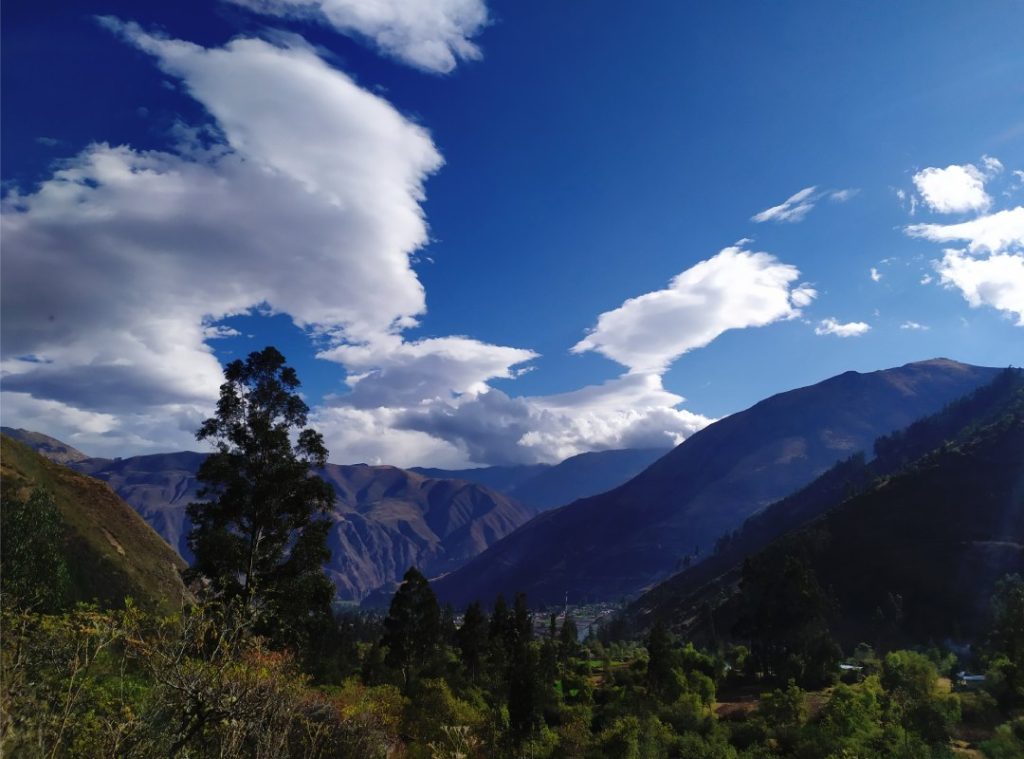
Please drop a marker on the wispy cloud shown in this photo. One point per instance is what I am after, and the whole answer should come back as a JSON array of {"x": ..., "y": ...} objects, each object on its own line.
[
  {"x": 841, "y": 196},
  {"x": 793, "y": 209},
  {"x": 914, "y": 326},
  {"x": 876, "y": 276},
  {"x": 431, "y": 35},
  {"x": 798, "y": 205}
]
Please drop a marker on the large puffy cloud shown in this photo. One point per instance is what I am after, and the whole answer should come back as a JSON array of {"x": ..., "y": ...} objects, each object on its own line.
[
  {"x": 433, "y": 35},
  {"x": 302, "y": 197},
  {"x": 996, "y": 281},
  {"x": 732, "y": 290},
  {"x": 115, "y": 267},
  {"x": 631, "y": 411},
  {"x": 956, "y": 188}
]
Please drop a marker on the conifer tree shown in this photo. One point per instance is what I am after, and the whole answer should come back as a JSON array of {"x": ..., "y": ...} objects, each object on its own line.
[{"x": 412, "y": 628}]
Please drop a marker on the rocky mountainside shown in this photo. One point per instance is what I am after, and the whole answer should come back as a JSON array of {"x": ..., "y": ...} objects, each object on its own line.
[
  {"x": 385, "y": 519},
  {"x": 388, "y": 519},
  {"x": 111, "y": 552},
  {"x": 618, "y": 543},
  {"x": 546, "y": 486}
]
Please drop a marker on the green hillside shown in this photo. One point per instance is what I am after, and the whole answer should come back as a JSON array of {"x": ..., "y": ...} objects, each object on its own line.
[{"x": 111, "y": 552}]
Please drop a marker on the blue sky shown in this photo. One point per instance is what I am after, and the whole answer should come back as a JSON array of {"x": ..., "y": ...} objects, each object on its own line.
[{"x": 499, "y": 232}]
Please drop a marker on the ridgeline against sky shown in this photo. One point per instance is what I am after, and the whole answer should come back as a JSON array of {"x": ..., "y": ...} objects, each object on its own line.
[{"x": 498, "y": 233}]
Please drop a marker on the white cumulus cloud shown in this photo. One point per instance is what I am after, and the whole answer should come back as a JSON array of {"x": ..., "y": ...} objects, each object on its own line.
[
  {"x": 954, "y": 189},
  {"x": 432, "y": 35},
  {"x": 731, "y": 290},
  {"x": 831, "y": 326},
  {"x": 996, "y": 281}
]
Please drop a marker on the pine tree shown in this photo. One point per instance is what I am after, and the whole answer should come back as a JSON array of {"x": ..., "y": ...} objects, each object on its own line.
[
  {"x": 412, "y": 629},
  {"x": 260, "y": 539},
  {"x": 472, "y": 639}
]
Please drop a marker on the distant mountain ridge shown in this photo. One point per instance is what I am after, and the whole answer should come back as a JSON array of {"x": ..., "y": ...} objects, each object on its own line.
[
  {"x": 615, "y": 544},
  {"x": 545, "y": 486}
]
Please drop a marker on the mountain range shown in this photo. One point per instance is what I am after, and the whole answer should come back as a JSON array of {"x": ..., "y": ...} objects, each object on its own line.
[
  {"x": 545, "y": 486},
  {"x": 384, "y": 519},
  {"x": 616, "y": 544},
  {"x": 741, "y": 482}
]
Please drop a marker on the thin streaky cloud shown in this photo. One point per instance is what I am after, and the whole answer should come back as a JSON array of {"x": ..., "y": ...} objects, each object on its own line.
[{"x": 792, "y": 210}]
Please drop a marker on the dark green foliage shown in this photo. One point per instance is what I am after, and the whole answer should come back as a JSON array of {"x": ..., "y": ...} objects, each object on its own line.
[
  {"x": 412, "y": 629},
  {"x": 662, "y": 677},
  {"x": 1006, "y": 641},
  {"x": 471, "y": 639},
  {"x": 568, "y": 640},
  {"x": 784, "y": 711},
  {"x": 525, "y": 693},
  {"x": 1007, "y": 743},
  {"x": 260, "y": 537},
  {"x": 32, "y": 565},
  {"x": 784, "y": 613}
]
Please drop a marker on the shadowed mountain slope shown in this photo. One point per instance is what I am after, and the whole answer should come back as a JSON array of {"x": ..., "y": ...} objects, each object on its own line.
[
  {"x": 943, "y": 467},
  {"x": 111, "y": 552},
  {"x": 615, "y": 544}
]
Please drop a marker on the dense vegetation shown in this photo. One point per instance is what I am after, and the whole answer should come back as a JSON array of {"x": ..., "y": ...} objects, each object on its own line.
[
  {"x": 251, "y": 665},
  {"x": 418, "y": 683}
]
